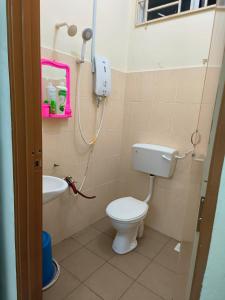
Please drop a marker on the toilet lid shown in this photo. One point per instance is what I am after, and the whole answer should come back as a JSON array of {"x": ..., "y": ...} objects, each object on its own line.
[{"x": 126, "y": 209}]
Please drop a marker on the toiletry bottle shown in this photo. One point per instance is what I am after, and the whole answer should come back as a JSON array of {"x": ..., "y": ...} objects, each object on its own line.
[
  {"x": 51, "y": 92},
  {"x": 61, "y": 98},
  {"x": 53, "y": 106}
]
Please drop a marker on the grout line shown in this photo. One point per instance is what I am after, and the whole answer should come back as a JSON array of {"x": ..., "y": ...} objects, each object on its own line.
[
  {"x": 93, "y": 291},
  {"x": 68, "y": 271},
  {"x": 133, "y": 281},
  {"x": 107, "y": 261},
  {"x": 150, "y": 290},
  {"x": 69, "y": 255},
  {"x": 72, "y": 291},
  {"x": 115, "y": 267}
]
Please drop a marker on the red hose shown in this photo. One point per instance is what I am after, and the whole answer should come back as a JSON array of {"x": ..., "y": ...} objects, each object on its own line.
[{"x": 71, "y": 184}]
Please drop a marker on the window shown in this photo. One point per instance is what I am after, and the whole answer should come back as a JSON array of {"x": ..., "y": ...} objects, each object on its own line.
[{"x": 148, "y": 10}]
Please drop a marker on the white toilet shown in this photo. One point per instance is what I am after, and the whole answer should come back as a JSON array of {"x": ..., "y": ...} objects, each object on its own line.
[{"x": 127, "y": 214}]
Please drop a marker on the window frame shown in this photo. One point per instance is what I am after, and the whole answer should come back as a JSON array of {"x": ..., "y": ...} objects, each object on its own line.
[{"x": 193, "y": 9}]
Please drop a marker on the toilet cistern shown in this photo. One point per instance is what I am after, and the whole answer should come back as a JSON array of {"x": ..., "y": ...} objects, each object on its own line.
[{"x": 127, "y": 214}]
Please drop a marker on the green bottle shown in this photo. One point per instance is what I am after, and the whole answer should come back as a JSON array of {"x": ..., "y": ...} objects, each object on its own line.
[
  {"x": 62, "y": 100},
  {"x": 53, "y": 106}
]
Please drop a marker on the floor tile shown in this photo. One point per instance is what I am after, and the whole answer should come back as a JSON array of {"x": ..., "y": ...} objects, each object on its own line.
[
  {"x": 102, "y": 246},
  {"x": 136, "y": 291},
  {"x": 158, "y": 279},
  {"x": 180, "y": 287},
  {"x": 82, "y": 263},
  {"x": 149, "y": 247},
  {"x": 132, "y": 263},
  {"x": 86, "y": 235},
  {"x": 108, "y": 282},
  {"x": 151, "y": 233},
  {"x": 83, "y": 293},
  {"x": 65, "y": 248},
  {"x": 168, "y": 257},
  {"x": 105, "y": 225},
  {"x": 185, "y": 258},
  {"x": 64, "y": 285}
]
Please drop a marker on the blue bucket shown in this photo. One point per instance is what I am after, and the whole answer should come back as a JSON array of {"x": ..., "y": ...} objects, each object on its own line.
[{"x": 48, "y": 269}]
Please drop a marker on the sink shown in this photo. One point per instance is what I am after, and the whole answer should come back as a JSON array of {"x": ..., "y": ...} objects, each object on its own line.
[{"x": 52, "y": 187}]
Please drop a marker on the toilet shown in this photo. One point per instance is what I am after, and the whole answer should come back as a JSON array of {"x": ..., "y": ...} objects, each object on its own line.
[{"x": 127, "y": 214}]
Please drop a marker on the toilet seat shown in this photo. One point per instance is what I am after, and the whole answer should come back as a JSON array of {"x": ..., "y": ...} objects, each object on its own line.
[{"x": 127, "y": 209}]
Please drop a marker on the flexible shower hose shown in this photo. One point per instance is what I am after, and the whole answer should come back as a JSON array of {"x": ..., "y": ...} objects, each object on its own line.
[
  {"x": 93, "y": 140},
  {"x": 84, "y": 138}
]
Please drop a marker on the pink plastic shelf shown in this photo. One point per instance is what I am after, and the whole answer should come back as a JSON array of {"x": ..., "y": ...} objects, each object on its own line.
[{"x": 45, "y": 107}]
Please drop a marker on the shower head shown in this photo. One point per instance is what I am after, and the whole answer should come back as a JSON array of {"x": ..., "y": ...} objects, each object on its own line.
[
  {"x": 87, "y": 34},
  {"x": 71, "y": 29}
]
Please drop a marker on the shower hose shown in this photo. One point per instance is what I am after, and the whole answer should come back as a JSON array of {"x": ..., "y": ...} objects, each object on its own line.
[{"x": 91, "y": 143}]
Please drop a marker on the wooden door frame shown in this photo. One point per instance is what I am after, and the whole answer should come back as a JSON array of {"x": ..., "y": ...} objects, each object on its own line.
[
  {"x": 210, "y": 204},
  {"x": 23, "y": 22}
]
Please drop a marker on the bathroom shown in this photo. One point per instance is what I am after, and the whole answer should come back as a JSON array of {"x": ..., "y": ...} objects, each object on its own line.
[{"x": 163, "y": 70}]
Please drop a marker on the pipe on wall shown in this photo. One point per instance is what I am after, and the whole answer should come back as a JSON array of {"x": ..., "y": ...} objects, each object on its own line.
[{"x": 93, "y": 44}]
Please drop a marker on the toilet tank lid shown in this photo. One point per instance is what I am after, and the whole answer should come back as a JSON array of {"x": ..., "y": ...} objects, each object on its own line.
[{"x": 155, "y": 148}]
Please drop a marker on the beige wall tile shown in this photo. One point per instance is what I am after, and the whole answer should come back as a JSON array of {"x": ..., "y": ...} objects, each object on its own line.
[
  {"x": 190, "y": 85},
  {"x": 159, "y": 107},
  {"x": 133, "y": 86},
  {"x": 62, "y": 144},
  {"x": 167, "y": 85},
  {"x": 162, "y": 107}
]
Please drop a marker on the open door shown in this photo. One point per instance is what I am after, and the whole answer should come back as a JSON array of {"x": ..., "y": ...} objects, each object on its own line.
[
  {"x": 24, "y": 67},
  {"x": 209, "y": 198}
]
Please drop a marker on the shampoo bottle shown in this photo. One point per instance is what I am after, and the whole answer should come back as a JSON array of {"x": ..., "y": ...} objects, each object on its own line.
[
  {"x": 62, "y": 92},
  {"x": 51, "y": 93}
]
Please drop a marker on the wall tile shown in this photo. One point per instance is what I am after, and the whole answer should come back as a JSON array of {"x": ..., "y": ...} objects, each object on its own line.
[{"x": 159, "y": 107}]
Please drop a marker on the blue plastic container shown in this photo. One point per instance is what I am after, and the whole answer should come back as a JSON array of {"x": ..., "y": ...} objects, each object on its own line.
[{"x": 47, "y": 264}]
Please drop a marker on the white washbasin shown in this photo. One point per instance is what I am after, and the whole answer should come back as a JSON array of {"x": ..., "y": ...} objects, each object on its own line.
[{"x": 52, "y": 187}]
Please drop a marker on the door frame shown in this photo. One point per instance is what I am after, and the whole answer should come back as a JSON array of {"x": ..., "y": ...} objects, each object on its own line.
[
  {"x": 24, "y": 67},
  {"x": 207, "y": 214},
  {"x": 23, "y": 22}
]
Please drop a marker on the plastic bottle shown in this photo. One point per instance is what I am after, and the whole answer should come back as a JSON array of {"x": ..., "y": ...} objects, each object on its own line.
[
  {"x": 53, "y": 106},
  {"x": 51, "y": 91},
  {"x": 61, "y": 98}
]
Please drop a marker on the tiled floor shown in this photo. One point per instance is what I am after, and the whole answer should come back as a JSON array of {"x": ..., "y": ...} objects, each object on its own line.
[{"x": 90, "y": 270}]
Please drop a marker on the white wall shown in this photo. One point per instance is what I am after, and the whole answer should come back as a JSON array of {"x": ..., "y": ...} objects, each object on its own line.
[
  {"x": 8, "y": 289},
  {"x": 178, "y": 42},
  {"x": 112, "y": 27}
]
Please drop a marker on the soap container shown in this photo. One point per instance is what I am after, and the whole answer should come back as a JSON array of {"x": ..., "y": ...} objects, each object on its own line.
[{"x": 45, "y": 110}]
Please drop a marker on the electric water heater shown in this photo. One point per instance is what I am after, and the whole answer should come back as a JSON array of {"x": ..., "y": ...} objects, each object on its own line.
[{"x": 102, "y": 84}]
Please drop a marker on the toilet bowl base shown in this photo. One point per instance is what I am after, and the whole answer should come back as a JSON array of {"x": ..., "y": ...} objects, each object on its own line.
[{"x": 120, "y": 250}]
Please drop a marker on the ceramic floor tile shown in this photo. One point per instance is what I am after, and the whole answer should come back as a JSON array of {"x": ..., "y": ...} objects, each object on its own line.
[
  {"x": 153, "y": 234},
  {"x": 105, "y": 225},
  {"x": 102, "y": 246},
  {"x": 132, "y": 263},
  {"x": 149, "y": 247},
  {"x": 185, "y": 258},
  {"x": 158, "y": 279},
  {"x": 82, "y": 263},
  {"x": 180, "y": 287},
  {"x": 136, "y": 291},
  {"x": 108, "y": 282},
  {"x": 64, "y": 286},
  {"x": 168, "y": 257},
  {"x": 83, "y": 293},
  {"x": 65, "y": 248},
  {"x": 86, "y": 235}
]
